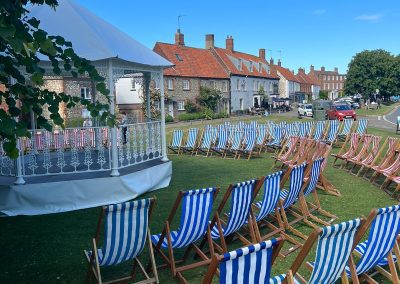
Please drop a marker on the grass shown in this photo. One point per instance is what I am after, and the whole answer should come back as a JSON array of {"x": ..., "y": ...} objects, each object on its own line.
[
  {"x": 385, "y": 109},
  {"x": 48, "y": 248}
]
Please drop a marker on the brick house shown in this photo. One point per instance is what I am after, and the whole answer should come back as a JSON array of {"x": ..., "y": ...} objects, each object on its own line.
[
  {"x": 251, "y": 79},
  {"x": 308, "y": 85},
  {"x": 194, "y": 68},
  {"x": 331, "y": 81}
]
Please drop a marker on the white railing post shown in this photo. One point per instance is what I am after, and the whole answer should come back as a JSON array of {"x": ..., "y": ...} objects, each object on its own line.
[
  {"x": 163, "y": 135},
  {"x": 20, "y": 178},
  {"x": 114, "y": 150}
]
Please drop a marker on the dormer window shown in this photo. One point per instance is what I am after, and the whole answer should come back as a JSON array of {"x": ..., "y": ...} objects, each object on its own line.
[
  {"x": 178, "y": 57},
  {"x": 240, "y": 65},
  {"x": 251, "y": 66},
  {"x": 260, "y": 67}
]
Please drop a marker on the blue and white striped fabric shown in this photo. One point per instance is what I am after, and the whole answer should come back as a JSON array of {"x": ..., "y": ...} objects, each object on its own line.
[
  {"x": 242, "y": 197},
  {"x": 196, "y": 210},
  {"x": 222, "y": 138},
  {"x": 262, "y": 131},
  {"x": 271, "y": 195},
  {"x": 250, "y": 140},
  {"x": 236, "y": 140},
  {"x": 309, "y": 127},
  {"x": 314, "y": 176},
  {"x": 347, "y": 123},
  {"x": 191, "y": 139},
  {"x": 319, "y": 130},
  {"x": 208, "y": 137},
  {"x": 125, "y": 231},
  {"x": 302, "y": 130},
  {"x": 382, "y": 236},
  {"x": 248, "y": 265},
  {"x": 333, "y": 129},
  {"x": 296, "y": 182},
  {"x": 362, "y": 126},
  {"x": 277, "y": 137},
  {"x": 177, "y": 136},
  {"x": 333, "y": 251}
]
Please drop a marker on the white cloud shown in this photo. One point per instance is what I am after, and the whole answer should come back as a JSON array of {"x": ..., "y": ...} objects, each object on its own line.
[
  {"x": 369, "y": 17},
  {"x": 319, "y": 12}
]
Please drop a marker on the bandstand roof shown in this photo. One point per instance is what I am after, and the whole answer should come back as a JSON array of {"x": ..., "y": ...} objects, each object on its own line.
[{"x": 92, "y": 37}]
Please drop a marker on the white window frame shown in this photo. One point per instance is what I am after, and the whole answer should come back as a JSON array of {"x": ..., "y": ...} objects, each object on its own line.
[
  {"x": 86, "y": 94},
  {"x": 156, "y": 84},
  {"x": 180, "y": 105},
  {"x": 238, "y": 84},
  {"x": 240, "y": 65},
  {"x": 244, "y": 85},
  {"x": 255, "y": 85},
  {"x": 186, "y": 85},
  {"x": 170, "y": 84},
  {"x": 260, "y": 67},
  {"x": 225, "y": 86},
  {"x": 251, "y": 66}
]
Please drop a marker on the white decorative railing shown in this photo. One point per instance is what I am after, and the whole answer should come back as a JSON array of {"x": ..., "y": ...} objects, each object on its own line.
[
  {"x": 138, "y": 143},
  {"x": 79, "y": 150}
]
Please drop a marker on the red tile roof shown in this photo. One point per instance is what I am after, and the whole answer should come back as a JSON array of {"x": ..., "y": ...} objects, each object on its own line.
[
  {"x": 196, "y": 62},
  {"x": 304, "y": 78},
  {"x": 313, "y": 78},
  {"x": 225, "y": 54},
  {"x": 286, "y": 73}
]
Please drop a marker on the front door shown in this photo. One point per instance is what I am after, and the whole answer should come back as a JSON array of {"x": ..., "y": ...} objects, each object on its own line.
[{"x": 171, "y": 109}]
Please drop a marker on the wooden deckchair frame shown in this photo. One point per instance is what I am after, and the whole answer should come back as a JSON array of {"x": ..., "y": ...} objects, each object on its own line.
[
  {"x": 362, "y": 153},
  {"x": 170, "y": 258},
  {"x": 218, "y": 221},
  {"x": 94, "y": 267},
  {"x": 191, "y": 150},
  {"x": 199, "y": 149},
  {"x": 392, "y": 275},
  {"x": 372, "y": 151},
  {"x": 243, "y": 150},
  {"x": 216, "y": 259},
  {"x": 305, "y": 250},
  {"x": 344, "y": 151},
  {"x": 175, "y": 151}
]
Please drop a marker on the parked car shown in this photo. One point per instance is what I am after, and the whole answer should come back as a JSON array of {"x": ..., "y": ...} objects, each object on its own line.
[
  {"x": 340, "y": 112},
  {"x": 305, "y": 110}
]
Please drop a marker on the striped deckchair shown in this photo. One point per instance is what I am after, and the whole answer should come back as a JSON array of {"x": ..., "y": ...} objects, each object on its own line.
[
  {"x": 288, "y": 197},
  {"x": 352, "y": 148},
  {"x": 361, "y": 153},
  {"x": 246, "y": 265},
  {"x": 334, "y": 246},
  {"x": 346, "y": 129},
  {"x": 126, "y": 229},
  {"x": 194, "y": 226},
  {"x": 319, "y": 130},
  {"x": 276, "y": 136},
  {"x": 381, "y": 248},
  {"x": 384, "y": 157},
  {"x": 302, "y": 130},
  {"x": 287, "y": 151},
  {"x": 372, "y": 152},
  {"x": 176, "y": 141},
  {"x": 242, "y": 195},
  {"x": 309, "y": 126},
  {"x": 235, "y": 144},
  {"x": 207, "y": 140},
  {"x": 248, "y": 145},
  {"x": 261, "y": 137},
  {"x": 332, "y": 132},
  {"x": 390, "y": 170},
  {"x": 310, "y": 187},
  {"x": 191, "y": 141},
  {"x": 268, "y": 207},
  {"x": 362, "y": 127},
  {"x": 223, "y": 135}
]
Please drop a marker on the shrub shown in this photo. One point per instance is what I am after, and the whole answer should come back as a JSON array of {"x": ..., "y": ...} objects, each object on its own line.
[
  {"x": 169, "y": 118},
  {"x": 208, "y": 113},
  {"x": 190, "y": 116},
  {"x": 221, "y": 115},
  {"x": 191, "y": 107},
  {"x": 74, "y": 122}
]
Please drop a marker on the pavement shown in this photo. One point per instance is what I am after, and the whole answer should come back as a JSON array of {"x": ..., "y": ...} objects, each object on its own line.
[{"x": 386, "y": 122}]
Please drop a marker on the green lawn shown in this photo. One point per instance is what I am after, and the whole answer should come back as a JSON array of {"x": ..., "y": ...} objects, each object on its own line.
[
  {"x": 48, "y": 249},
  {"x": 385, "y": 109}
]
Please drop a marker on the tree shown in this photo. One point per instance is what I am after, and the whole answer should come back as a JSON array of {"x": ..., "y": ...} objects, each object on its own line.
[
  {"x": 371, "y": 70},
  {"x": 323, "y": 95},
  {"x": 209, "y": 98},
  {"x": 21, "y": 42}
]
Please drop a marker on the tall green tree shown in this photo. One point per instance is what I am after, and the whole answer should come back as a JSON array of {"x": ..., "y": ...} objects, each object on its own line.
[
  {"x": 373, "y": 69},
  {"x": 21, "y": 42}
]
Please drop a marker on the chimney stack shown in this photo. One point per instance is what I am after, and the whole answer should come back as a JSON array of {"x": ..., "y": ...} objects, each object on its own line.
[
  {"x": 279, "y": 62},
  {"x": 229, "y": 43},
  {"x": 323, "y": 69},
  {"x": 261, "y": 53},
  {"x": 311, "y": 68},
  {"x": 179, "y": 38},
  {"x": 209, "y": 41},
  {"x": 336, "y": 70},
  {"x": 271, "y": 61}
]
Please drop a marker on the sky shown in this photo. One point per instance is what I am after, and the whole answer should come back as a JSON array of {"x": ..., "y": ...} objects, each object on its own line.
[{"x": 300, "y": 32}]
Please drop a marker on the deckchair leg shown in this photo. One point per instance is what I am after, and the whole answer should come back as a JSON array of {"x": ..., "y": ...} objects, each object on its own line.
[
  {"x": 289, "y": 227},
  {"x": 170, "y": 250},
  {"x": 152, "y": 258}
]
